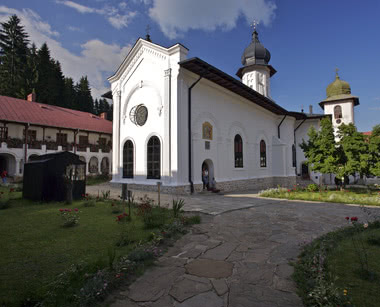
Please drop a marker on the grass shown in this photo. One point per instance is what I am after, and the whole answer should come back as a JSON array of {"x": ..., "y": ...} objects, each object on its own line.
[
  {"x": 328, "y": 271},
  {"x": 35, "y": 248},
  {"x": 98, "y": 179},
  {"x": 348, "y": 196}
]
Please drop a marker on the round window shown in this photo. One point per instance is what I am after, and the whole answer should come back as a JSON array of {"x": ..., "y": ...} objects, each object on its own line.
[{"x": 141, "y": 115}]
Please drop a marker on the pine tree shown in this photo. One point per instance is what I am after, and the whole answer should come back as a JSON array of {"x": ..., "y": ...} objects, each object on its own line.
[
  {"x": 13, "y": 57},
  {"x": 45, "y": 75},
  {"x": 31, "y": 73},
  {"x": 96, "y": 107},
  {"x": 84, "y": 99},
  {"x": 70, "y": 94}
]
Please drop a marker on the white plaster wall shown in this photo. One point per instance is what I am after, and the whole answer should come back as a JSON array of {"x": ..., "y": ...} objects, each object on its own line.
[
  {"x": 231, "y": 114},
  {"x": 250, "y": 78},
  {"x": 302, "y": 134},
  {"x": 148, "y": 76}
]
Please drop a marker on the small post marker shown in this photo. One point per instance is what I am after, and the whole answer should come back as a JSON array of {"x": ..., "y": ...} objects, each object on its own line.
[{"x": 159, "y": 192}]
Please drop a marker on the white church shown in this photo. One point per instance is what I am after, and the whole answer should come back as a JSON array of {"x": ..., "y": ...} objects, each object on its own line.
[{"x": 175, "y": 117}]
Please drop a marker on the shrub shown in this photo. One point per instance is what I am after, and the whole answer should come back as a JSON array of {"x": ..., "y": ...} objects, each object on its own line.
[
  {"x": 191, "y": 220},
  {"x": 140, "y": 254},
  {"x": 116, "y": 207},
  {"x": 155, "y": 218},
  {"x": 177, "y": 207},
  {"x": 312, "y": 187},
  {"x": 106, "y": 194},
  {"x": 70, "y": 217}
]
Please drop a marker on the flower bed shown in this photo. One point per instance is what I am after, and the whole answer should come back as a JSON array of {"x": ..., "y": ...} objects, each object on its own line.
[{"x": 348, "y": 196}]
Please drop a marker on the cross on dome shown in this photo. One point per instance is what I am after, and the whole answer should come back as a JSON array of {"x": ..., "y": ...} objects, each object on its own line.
[{"x": 254, "y": 25}]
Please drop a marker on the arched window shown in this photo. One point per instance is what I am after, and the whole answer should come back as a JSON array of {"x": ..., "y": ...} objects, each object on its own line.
[
  {"x": 337, "y": 112},
  {"x": 128, "y": 159},
  {"x": 154, "y": 158},
  {"x": 238, "y": 151},
  {"x": 294, "y": 155},
  {"x": 263, "y": 154}
]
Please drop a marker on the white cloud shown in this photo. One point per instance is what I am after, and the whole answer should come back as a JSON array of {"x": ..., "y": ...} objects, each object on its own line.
[
  {"x": 118, "y": 17},
  {"x": 176, "y": 17},
  {"x": 75, "y": 29},
  {"x": 78, "y": 7},
  {"x": 97, "y": 59}
]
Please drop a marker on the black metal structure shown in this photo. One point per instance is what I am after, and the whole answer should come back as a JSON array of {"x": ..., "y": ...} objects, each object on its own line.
[{"x": 45, "y": 177}]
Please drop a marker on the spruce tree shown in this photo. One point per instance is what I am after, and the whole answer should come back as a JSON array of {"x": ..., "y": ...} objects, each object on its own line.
[
  {"x": 45, "y": 76},
  {"x": 70, "y": 94},
  {"x": 83, "y": 92},
  {"x": 13, "y": 57}
]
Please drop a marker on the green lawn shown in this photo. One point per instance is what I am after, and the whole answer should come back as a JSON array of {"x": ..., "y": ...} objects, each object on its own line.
[
  {"x": 343, "y": 262},
  {"x": 329, "y": 271},
  {"x": 348, "y": 196},
  {"x": 35, "y": 248}
]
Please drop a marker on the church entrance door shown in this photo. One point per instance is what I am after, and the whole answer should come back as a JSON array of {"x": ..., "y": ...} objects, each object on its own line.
[
  {"x": 305, "y": 171},
  {"x": 208, "y": 168}
]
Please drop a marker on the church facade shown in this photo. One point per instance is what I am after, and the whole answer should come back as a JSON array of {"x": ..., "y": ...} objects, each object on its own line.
[{"x": 174, "y": 117}]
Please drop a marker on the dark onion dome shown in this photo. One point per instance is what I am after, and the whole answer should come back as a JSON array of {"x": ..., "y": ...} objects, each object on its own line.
[
  {"x": 338, "y": 87},
  {"x": 255, "y": 53}
]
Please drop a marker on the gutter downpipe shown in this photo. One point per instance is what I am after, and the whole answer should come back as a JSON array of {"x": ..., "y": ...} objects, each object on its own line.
[
  {"x": 278, "y": 127},
  {"x": 189, "y": 134},
  {"x": 295, "y": 144}
]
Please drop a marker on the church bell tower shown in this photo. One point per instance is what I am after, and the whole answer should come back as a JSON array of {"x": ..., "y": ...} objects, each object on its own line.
[
  {"x": 256, "y": 71},
  {"x": 339, "y": 102}
]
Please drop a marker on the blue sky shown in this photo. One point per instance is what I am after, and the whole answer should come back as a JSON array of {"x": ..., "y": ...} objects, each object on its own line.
[{"x": 307, "y": 40}]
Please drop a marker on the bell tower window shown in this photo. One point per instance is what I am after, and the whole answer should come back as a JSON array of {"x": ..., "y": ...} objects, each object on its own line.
[{"x": 338, "y": 112}]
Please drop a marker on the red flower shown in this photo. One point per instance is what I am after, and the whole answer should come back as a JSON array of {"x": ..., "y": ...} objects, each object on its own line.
[
  {"x": 69, "y": 210},
  {"x": 61, "y": 210},
  {"x": 76, "y": 209},
  {"x": 11, "y": 190},
  {"x": 288, "y": 190},
  {"x": 347, "y": 218},
  {"x": 354, "y": 219}
]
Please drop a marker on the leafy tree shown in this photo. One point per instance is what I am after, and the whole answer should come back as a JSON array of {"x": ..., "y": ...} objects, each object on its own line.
[
  {"x": 13, "y": 56},
  {"x": 374, "y": 151},
  {"x": 355, "y": 152},
  {"x": 320, "y": 150}
]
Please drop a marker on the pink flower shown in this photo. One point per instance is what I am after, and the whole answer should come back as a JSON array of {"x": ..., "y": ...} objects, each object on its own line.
[
  {"x": 69, "y": 210},
  {"x": 76, "y": 209}
]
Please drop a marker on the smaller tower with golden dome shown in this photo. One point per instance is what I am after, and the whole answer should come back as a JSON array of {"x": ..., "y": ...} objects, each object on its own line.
[{"x": 339, "y": 102}]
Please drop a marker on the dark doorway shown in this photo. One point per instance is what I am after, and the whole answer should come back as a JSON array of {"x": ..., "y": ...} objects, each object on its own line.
[
  {"x": 3, "y": 163},
  {"x": 305, "y": 171},
  {"x": 208, "y": 166}
]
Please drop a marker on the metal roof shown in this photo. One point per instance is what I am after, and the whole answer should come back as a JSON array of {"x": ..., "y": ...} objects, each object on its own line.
[
  {"x": 219, "y": 77},
  {"x": 39, "y": 114}
]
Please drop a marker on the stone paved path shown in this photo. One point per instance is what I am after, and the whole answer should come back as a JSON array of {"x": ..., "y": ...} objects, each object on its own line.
[{"x": 235, "y": 258}]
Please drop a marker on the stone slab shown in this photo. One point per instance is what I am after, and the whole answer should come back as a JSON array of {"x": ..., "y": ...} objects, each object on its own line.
[
  {"x": 208, "y": 299},
  {"x": 220, "y": 286},
  {"x": 189, "y": 287},
  {"x": 209, "y": 268},
  {"x": 220, "y": 252}
]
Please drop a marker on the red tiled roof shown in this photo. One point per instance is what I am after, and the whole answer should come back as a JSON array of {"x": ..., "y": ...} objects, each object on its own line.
[
  {"x": 367, "y": 133},
  {"x": 23, "y": 111}
]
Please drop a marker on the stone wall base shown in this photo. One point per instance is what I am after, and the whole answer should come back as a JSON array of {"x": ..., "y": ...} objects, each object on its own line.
[{"x": 226, "y": 186}]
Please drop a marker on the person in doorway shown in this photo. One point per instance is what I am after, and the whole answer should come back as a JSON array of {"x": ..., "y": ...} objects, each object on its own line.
[
  {"x": 4, "y": 176},
  {"x": 205, "y": 178}
]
